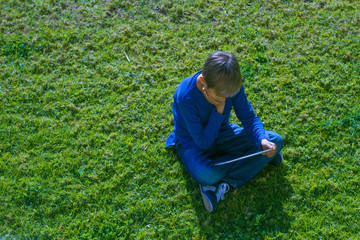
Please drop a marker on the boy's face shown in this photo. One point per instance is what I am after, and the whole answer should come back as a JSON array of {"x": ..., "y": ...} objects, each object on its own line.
[{"x": 212, "y": 94}]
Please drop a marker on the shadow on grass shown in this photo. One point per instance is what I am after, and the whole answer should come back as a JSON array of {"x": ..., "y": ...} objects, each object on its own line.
[{"x": 254, "y": 211}]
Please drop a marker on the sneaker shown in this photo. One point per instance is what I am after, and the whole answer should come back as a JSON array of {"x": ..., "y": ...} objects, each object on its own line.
[
  {"x": 209, "y": 197},
  {"x": 277, "y": 159}
]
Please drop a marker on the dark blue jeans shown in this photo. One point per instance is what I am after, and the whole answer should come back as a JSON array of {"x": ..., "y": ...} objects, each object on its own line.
[{"x": 233, "y": 143}]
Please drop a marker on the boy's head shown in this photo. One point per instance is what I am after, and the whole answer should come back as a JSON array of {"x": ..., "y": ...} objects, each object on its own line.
[{"x": 221, "y": 72}]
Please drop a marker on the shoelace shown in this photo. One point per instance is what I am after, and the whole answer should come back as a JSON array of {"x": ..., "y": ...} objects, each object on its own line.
[{"x": 222, "y": 189}]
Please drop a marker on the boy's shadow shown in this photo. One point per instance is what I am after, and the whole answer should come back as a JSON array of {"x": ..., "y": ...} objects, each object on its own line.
[{"x": 255, "y": 210}]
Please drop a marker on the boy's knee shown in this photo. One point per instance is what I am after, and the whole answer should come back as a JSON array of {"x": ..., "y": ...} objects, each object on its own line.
[
  {"x": 208, "y": 175},
  {"x": 200, "y": 168}
]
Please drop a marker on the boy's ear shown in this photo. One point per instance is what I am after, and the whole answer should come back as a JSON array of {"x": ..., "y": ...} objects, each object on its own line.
[{"x": 202, "y": 80}]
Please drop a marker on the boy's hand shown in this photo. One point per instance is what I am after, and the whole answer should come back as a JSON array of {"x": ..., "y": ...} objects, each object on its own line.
[
  {"x": 218, "y": 102},
  {"x": 266, "y": 144}
]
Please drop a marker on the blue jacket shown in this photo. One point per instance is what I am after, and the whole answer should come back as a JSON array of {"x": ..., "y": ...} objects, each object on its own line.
[{"x": 197, "y": 123}]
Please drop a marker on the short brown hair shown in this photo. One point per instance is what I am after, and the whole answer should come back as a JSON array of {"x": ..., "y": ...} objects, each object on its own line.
[{"x": 221, "y": 72}]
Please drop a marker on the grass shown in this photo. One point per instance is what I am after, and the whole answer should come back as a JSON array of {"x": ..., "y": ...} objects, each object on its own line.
[{"x": 86, "y": 91}]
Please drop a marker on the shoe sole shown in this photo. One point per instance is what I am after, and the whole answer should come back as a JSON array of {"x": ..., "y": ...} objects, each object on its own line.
[{"x": 207, "y": 203}]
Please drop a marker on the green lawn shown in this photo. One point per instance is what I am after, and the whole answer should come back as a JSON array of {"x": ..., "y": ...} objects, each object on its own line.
[{"x": 85, "y": 107}]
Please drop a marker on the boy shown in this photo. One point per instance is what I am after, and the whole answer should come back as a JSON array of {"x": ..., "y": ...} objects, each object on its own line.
[{"x": 203, "y": 136}]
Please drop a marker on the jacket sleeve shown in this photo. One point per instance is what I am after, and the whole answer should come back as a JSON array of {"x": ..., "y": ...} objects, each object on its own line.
[
  {"x": 245, "y": 113},
  {"x": 203, "y": 135}
]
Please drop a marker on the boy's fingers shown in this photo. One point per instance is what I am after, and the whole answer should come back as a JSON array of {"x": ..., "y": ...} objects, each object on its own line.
[
  {"x": 272, "y": 146},
  {"x": 272, "y": 153}
]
